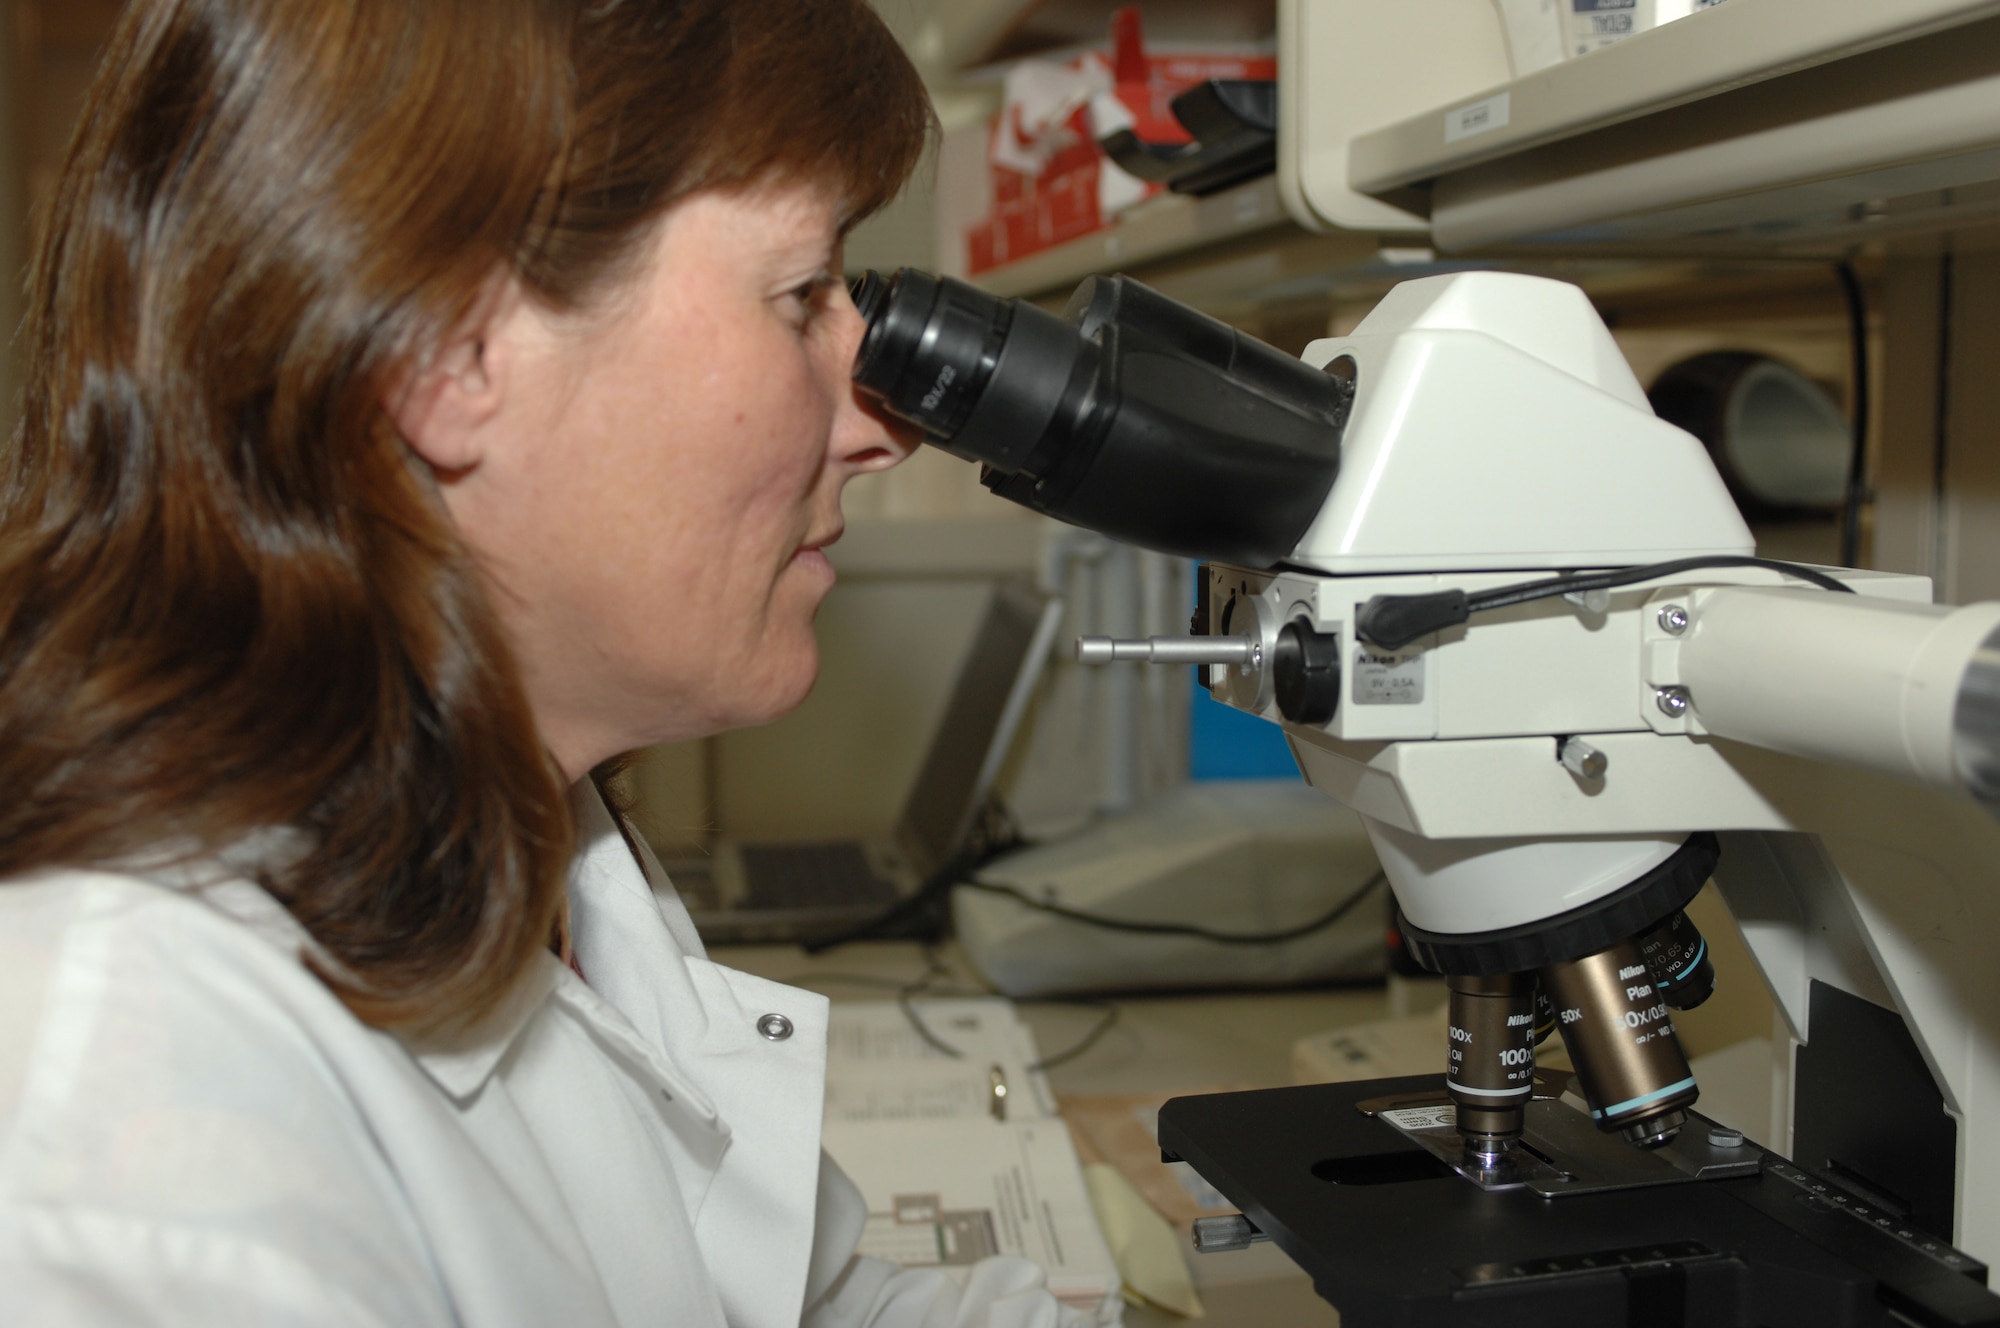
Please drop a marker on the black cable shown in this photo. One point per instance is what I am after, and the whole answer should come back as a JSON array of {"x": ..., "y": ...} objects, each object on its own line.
[
  {"x": 933, "y": 970},
  {"x": 1327, "y": 919},
  {"x": 915, "y": 915},
  {"x": 1857, "y": 462},
  {"x": 1394, "y": 621},
  {"x": 910, "y": 1013},
  {"x": 1084, "y": 1043},
  {"x": 1501, "y": 597},
  {"x": 921, "y": 914},
  {"x": 1944, "y": 385}
]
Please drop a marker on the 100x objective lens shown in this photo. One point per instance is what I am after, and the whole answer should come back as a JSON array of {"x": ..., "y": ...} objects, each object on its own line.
[{"x": 1490, "y": 1065}]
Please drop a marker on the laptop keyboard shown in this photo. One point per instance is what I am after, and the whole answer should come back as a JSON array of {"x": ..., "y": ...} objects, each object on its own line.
[{"x": 833, "y": 874}]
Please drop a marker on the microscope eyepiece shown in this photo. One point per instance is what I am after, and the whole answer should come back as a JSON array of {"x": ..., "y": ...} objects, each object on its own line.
[{"x": 1131, "y": 415}]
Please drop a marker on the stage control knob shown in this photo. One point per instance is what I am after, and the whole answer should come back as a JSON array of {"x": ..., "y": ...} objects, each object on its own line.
[
  {"x": 1305, "y": 670},
  {"x": 1219, "y": 1235}
]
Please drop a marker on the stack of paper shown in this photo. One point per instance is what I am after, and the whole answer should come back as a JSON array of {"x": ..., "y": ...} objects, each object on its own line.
[{"x": 961, "y": 1157}]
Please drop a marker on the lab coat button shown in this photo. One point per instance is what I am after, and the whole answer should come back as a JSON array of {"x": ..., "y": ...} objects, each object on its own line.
[{"x": 775, "y": 1027}]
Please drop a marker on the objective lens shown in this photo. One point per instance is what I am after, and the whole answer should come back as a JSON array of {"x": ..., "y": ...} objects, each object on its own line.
[
  {"x": 1621, "y": 1039},
  {"x": 1545, "y": 1015},
  {"x": 1130, "y": 415},
  {"x": 1490, "y": 1075},
  {"x": 1677, "y": 958}
]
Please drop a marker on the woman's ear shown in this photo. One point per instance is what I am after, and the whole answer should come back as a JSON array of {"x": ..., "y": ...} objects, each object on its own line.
[{"x": 443, "y": 407}]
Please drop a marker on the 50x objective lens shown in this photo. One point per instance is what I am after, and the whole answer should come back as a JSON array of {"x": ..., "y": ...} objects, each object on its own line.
[
  {"x": 1621, "y": 1039},
  {"x": 1677, "y": 957}
]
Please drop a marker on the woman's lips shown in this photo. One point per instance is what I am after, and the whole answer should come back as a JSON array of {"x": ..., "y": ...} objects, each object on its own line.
[
  {"x": 812, "y": 552},
  {"x": 813, "y": 558}
]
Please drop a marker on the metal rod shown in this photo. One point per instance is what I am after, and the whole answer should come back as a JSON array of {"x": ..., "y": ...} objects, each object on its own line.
[{"x": 1168, "y": 650}]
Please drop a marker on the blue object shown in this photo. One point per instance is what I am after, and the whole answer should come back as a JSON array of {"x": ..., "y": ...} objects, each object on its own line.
[{"x": 1227, "y": 743}]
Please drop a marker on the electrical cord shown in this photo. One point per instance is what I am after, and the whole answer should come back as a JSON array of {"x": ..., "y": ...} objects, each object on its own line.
[
  {"x": 925, "y": 985},
  {"x": 922, "y": 913},
  {"x": 1111, "y": 1010},
  {"x": 1857, "y": 464},
  {"x": 997, "y": 830},
  {"x": 1097, "y": 1031},
  {"x": 1087, "y": 1041},
  {"x": 1394, "y": 621},
  {"x": 1327, "y": 919}
]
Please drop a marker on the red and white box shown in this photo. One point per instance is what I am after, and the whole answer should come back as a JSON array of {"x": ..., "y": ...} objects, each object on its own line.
[{"x": 1033, "y": 177}]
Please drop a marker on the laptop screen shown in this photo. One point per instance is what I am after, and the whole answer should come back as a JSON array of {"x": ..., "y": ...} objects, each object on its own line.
[{"x": 992, "y": 692}]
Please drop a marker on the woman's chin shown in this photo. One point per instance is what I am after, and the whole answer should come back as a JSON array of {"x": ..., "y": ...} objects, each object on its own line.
[{"x": 783, "y": 689}]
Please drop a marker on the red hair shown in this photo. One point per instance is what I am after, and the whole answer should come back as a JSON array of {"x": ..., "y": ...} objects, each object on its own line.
[{"x": 230, "y": 598}]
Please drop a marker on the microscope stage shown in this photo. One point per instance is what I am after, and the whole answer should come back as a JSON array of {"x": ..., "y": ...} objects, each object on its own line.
[
  {"x": 1391, "y": 1236},
  {"x": 1561, "y": 1151}
]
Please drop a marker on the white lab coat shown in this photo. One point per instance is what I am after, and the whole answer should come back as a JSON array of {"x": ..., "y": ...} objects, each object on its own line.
[{"x": 193, "y": 1131}]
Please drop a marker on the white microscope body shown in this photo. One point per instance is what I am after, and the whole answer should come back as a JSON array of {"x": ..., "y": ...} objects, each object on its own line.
[
  {"x": 1513, "y": 620},
  {"x": 1536, "y": 758}
]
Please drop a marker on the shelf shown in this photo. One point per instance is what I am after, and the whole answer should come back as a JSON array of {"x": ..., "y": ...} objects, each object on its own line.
[
  {"x": 1714, "y": 51},
  {"x": 1786, "y": 126},
  {"x": 960, "y": 35},
  {"x": 1159, "y": 228}
]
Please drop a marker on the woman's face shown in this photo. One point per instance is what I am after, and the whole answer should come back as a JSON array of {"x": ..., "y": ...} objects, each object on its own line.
[{"x": 650, "y": 487}]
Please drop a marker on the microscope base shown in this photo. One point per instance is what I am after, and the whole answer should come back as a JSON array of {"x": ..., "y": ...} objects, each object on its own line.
[{"x": 1391, "y": 1236}]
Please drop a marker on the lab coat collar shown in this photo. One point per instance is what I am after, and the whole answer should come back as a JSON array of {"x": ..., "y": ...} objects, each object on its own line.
[
  {"x": 463, "y": 1067},
  {"x": 226, "y": 882}
]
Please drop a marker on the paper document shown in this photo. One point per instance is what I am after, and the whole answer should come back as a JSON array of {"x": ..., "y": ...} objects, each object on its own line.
[
  {"x": 952, "y": 1171},
  {"x": 878, "y": 1067}
]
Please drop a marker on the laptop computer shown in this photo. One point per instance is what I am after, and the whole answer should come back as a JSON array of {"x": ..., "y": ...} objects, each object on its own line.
[{"x": 755, "y": 892}]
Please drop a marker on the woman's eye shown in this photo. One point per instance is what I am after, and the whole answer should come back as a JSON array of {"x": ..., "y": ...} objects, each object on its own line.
[{"x": 809, "y": 296}]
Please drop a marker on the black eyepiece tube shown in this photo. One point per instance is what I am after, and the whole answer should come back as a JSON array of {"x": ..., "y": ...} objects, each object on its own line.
[{"x": 1130, "y": 415}]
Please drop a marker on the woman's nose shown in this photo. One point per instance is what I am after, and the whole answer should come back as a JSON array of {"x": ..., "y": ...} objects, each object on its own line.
[{"x": 868, "y": 437}]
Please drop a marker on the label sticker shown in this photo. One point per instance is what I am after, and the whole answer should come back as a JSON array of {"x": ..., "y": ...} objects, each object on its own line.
[
  {"x": 1381, "y": 678},
  {"x": 1441, "y": 1117},
  {"x": 1596, "y": 24},
  {"x": 1482, "y": 115}
]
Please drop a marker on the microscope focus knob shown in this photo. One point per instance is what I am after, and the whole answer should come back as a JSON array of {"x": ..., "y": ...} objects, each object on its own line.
[{"x": 1305, "y": 673}]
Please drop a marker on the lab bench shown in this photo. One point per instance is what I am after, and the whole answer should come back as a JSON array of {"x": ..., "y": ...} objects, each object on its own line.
[{"x": 1158, "y": 1045}]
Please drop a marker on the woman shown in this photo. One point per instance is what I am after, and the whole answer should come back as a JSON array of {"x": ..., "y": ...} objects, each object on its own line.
[{"x": 429, "y": 400}]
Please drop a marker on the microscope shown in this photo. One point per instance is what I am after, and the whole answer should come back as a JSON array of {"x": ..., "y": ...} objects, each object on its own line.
[{"x": 1516, "y": 622}]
